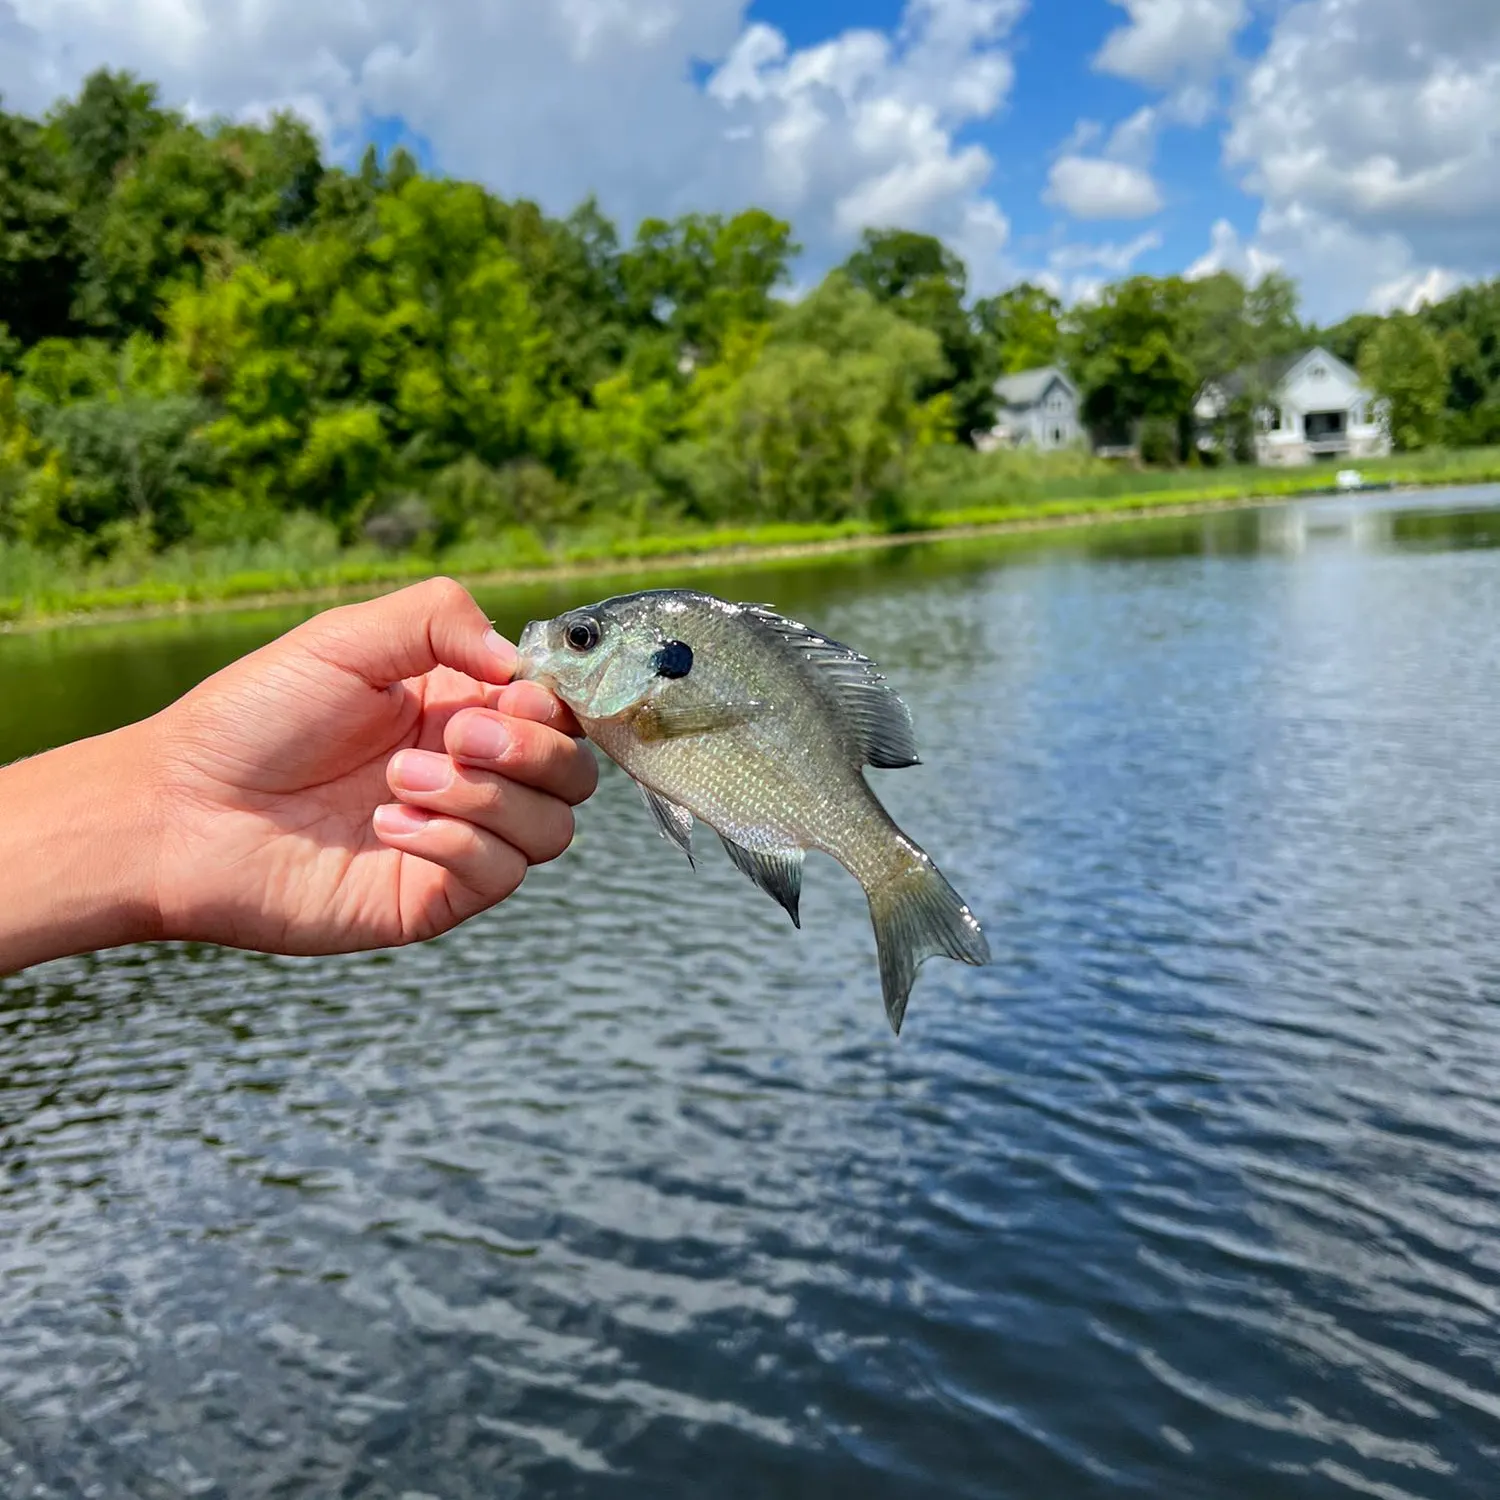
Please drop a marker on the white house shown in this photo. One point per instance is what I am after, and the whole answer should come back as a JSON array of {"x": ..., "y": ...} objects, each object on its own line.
[
  {"x": 1311, "y": 406},
  {"x": 1037, "y": 409}
]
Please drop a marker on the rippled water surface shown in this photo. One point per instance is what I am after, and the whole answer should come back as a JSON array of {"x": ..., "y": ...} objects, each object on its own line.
[{"x": 626, "y": 1190}]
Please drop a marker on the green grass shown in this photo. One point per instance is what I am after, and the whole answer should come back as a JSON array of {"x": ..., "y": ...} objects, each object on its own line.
[{"x": 965, "y": 490}]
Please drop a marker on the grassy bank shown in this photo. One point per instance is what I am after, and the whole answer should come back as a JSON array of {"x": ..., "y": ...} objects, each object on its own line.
[{"x": 37, "y": 587}]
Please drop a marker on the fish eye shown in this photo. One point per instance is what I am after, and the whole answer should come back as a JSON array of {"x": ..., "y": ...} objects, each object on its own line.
[{"x": 582, "y": 635}]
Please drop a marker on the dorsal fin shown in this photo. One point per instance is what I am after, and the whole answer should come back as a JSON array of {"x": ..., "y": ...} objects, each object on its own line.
[{"x": 879, "y": 721}]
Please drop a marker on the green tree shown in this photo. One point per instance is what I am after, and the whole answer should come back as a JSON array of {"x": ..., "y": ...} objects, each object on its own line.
[
  {"x": 1022, "y": 328},
  {"x": 107, "y": 128},
  {"x": 1130, "y": 355},
  {"x": 39, "y": 250},
  {"x": 688, "y": 282},
  {"x": 1271, "y": 306},
  {"x": 1407, "y": 365},
  {"x": 825, "y": 417},
  {"x": 917, "y": 276},
  {"x": 1347, "y": 339},
  {"x": 189, "y": 207},
  {"x": 1468, "y": 322}
]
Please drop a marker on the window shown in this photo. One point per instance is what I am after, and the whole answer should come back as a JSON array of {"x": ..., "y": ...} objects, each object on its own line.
[{"x": 1318, "y": 372}]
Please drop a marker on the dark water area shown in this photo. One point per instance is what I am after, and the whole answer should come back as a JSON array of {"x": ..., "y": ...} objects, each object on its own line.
[{"x": 626, "y": 1189}]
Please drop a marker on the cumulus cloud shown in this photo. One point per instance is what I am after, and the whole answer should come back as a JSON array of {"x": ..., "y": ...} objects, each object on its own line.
[
  {"x": 1370, "y": 130},
  {"x": 1227, "y": 251},
  {"x": 1166, "y": 39},
  {"x": 1094, "y": 187},
  {"x": 555, "y": 101}
]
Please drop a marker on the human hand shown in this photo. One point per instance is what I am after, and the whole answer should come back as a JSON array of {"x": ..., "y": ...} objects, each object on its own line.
[{"x": 366, "y": 780}]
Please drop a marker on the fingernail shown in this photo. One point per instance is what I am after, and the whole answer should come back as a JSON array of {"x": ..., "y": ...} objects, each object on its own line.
[
  {"x": 480, "y": 738},
  {"x": 421, "y": 771},
  {"x": 500, "y": 648},
  {"x": 397, "y": 820}
]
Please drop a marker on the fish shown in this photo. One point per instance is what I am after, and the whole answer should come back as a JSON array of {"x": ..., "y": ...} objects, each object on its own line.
[{"x": 760, "y": 727}]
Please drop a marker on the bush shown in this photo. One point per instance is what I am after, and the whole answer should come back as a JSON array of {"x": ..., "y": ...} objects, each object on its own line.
[{"x": 1159, "y": 441}]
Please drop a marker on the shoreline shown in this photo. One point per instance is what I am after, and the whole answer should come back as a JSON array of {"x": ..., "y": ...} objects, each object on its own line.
[{"x": 701, "y": 558}]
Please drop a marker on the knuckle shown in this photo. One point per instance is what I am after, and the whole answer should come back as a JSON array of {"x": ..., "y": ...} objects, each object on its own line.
[{"x": 445, "y": 591}]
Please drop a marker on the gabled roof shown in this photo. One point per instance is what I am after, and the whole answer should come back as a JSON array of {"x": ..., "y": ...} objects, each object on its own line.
[
  {"x": 1267, "y": 374},
  {"x": 1027, "y": 387}
]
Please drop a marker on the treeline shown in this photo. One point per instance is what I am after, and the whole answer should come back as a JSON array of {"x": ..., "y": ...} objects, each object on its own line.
[{"x": 210, "y": 335}]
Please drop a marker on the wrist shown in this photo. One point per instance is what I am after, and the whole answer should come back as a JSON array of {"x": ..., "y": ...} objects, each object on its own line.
[{"x": 78, "y": 833}]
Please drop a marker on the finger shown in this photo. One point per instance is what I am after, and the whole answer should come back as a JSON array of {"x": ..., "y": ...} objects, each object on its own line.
[
  {"x": 523, "y": 751},
  {"x": 409, "y": 632},
  {"x": 484, "y": 868},
  {"x": 530, "y": 700},
  {"x": 539, "y": 825}
]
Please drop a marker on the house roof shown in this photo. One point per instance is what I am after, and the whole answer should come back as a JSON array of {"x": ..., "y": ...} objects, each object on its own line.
[
  {"x": 1267, "y": 374},
  {"x": 1027, "y": 387}
]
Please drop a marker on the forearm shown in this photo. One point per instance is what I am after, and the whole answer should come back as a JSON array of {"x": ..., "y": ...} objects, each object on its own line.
[{"x": 76, "y": 833}]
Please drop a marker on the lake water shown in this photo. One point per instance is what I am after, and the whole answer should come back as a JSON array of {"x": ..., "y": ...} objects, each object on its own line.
[{"x": 625, "y": 1189}]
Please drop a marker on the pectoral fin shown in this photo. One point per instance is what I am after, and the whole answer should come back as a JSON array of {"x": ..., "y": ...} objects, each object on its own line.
[
  {"x": 778, "y": 872},
  {"x": 675, "y": 823},
  {"x": 656, "y": 720}
]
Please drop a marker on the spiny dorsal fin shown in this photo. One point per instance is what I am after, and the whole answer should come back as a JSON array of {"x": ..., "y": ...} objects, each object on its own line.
[
  {"x": 879, "y": 720},
  {"x": 675, "y": 823},
  {"x": 778, "y": 872}
]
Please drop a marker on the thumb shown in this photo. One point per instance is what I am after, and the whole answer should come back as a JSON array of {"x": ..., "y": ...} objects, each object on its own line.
[{"x": 404, "y": 634}]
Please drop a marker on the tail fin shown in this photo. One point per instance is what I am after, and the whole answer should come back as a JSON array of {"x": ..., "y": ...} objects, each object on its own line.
[{"x": 918, "y": 915}]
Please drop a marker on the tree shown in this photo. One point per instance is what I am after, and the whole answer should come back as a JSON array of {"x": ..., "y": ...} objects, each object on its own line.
[
  {"x": 1271, "y": 307},
  {"x": 1021, "y": 327},
  {"x": 109, "y": 126},
  {"x": 1346, "y": 340},
  {"x": 1468, "y": 322},
  {"x": 39, "y": 251},
  {"x": 690, "y": 281},
  {"x": 190, "y": 205},
  {"x": 918, "y": 277},
  {"x": 1130, "y": 354},
  {"x": 1221, "y": 337},
  {"x": 824, "y": 417},
  {"x": 1407, "y": 365}
]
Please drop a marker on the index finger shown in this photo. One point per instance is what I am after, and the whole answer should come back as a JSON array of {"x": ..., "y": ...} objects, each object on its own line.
[{"x": 529, "y": 700}]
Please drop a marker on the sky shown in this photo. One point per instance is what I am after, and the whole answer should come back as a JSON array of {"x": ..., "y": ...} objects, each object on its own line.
[{"x": 1354, "y": 144}]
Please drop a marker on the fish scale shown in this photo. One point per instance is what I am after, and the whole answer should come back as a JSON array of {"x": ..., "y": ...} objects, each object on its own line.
[{"x": 760, "y": 727}]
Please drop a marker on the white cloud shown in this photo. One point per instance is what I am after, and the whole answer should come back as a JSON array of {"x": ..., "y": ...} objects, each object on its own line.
[
  {"x": 1077, "y": 272},
  {"x": 1113, "y": 257},
  {"x": 1134, "y": 138},
  {"x": 1371, "y": 131},
  {"x": 1414, "y": 290},
  {"x": 553, "y": 101},
  {"x": 1228, "y": 252},
  {"x": 1092, "y": 187},
  {"x": 1166, "y": 39}
]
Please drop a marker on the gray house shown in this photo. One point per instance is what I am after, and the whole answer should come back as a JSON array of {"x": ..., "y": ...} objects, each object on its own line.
[{"x": 1037, "y": 409}]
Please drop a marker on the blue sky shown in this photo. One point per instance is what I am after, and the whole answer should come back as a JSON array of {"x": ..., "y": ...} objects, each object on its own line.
[{"x": 1353, "y": 143}]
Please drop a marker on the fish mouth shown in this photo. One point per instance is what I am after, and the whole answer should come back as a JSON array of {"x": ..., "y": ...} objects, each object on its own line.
[{"x": 530, "y": 645}]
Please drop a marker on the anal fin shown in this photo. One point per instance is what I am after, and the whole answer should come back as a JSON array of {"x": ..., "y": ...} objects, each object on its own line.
[{"x": 778, "y": 872}]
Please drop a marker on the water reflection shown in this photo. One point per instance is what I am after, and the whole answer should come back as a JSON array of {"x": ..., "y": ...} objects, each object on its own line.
[{"x": 1193, "y": 1193}]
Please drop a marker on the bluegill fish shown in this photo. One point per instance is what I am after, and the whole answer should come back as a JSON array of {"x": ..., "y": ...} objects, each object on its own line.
[{"x": 760, "y": 727}]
